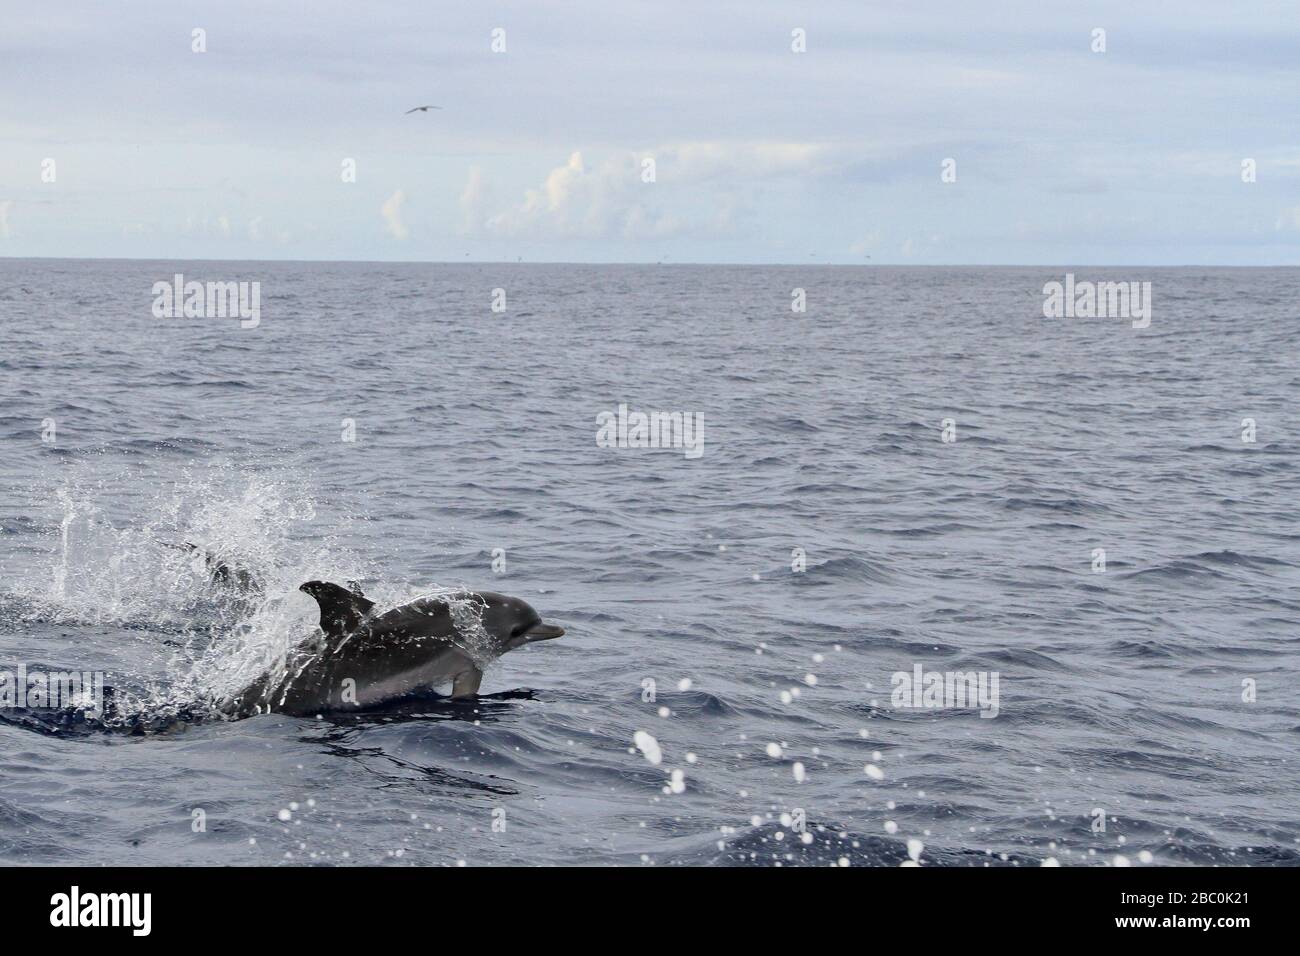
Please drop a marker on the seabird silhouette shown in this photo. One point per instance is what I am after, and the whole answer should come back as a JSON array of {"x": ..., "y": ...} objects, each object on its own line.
[{"x": 422, "y": 109}]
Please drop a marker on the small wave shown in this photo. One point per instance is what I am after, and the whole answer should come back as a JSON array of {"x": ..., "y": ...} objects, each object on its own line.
[
  {"x": 695, "y": 703},
  {"x": 847, "y": 568},
  {"x": 176, "y": 445},
  {"x": 791, "y": 423},
  {"x": 1073, "y": 506},
  {"x": 1141, "y": 650},
  {"x": 1237, "y": 559},
  {"x": 1178, "y": 571}
]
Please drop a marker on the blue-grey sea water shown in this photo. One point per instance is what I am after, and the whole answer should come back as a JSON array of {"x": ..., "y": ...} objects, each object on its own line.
[{"x": 747, "y": 609}]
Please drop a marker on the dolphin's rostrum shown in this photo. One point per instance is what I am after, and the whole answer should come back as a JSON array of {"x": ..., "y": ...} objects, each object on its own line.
[{"x": 364, "y": 658}]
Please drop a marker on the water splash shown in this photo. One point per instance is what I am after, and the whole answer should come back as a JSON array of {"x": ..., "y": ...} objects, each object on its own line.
[
  {"x": 466, "y": 609},
  {"x": 59, "y": 589},
  {"x": 105, "y": 569}
]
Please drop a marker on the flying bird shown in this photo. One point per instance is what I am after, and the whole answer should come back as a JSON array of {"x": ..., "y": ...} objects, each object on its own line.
[{"x": 422, "y": 109}]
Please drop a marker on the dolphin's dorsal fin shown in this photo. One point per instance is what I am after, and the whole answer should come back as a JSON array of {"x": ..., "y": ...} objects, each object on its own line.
[{"x": 341, "y": 611}]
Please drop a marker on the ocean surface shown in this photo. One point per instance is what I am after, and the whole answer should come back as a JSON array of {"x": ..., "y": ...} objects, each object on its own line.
[{"x": 741, "y": 614}]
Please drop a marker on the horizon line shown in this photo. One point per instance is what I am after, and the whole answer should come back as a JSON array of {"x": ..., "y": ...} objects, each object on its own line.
[{"x": 643, "y": 262}]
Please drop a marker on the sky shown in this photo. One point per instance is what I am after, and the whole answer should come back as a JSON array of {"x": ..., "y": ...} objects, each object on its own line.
[{"x": 910, "y": 132}]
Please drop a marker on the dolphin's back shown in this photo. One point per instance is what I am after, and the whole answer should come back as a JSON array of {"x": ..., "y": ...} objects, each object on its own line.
[{"x": 427, "y": 617}]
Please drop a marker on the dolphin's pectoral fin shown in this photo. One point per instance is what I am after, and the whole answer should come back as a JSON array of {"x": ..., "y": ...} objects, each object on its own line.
[{"x": 466, "y": 684}]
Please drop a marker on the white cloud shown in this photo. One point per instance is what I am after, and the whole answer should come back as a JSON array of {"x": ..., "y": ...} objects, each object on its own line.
[
  {"x": 553, "y": 204},
  {"x": 571, "y": 202},
  {"x": 472, "y": 199},
  {"x": 1287, "y": 220},
  {"x": 870, "y": 242},
  {"x": 700, "y": 161},
  {"x": 391, "y": 210},
  {"x": 611, "y": 199}
]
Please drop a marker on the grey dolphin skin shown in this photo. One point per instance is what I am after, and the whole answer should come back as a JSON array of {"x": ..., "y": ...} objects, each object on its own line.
[
  {"x": 363, "y": 659},
  {"x": 222, "y": 571}
]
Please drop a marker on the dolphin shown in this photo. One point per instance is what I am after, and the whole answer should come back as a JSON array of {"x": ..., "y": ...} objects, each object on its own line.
[
  {"x": 221, "y": 571},
  {"x": 361, "y": 658}
]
